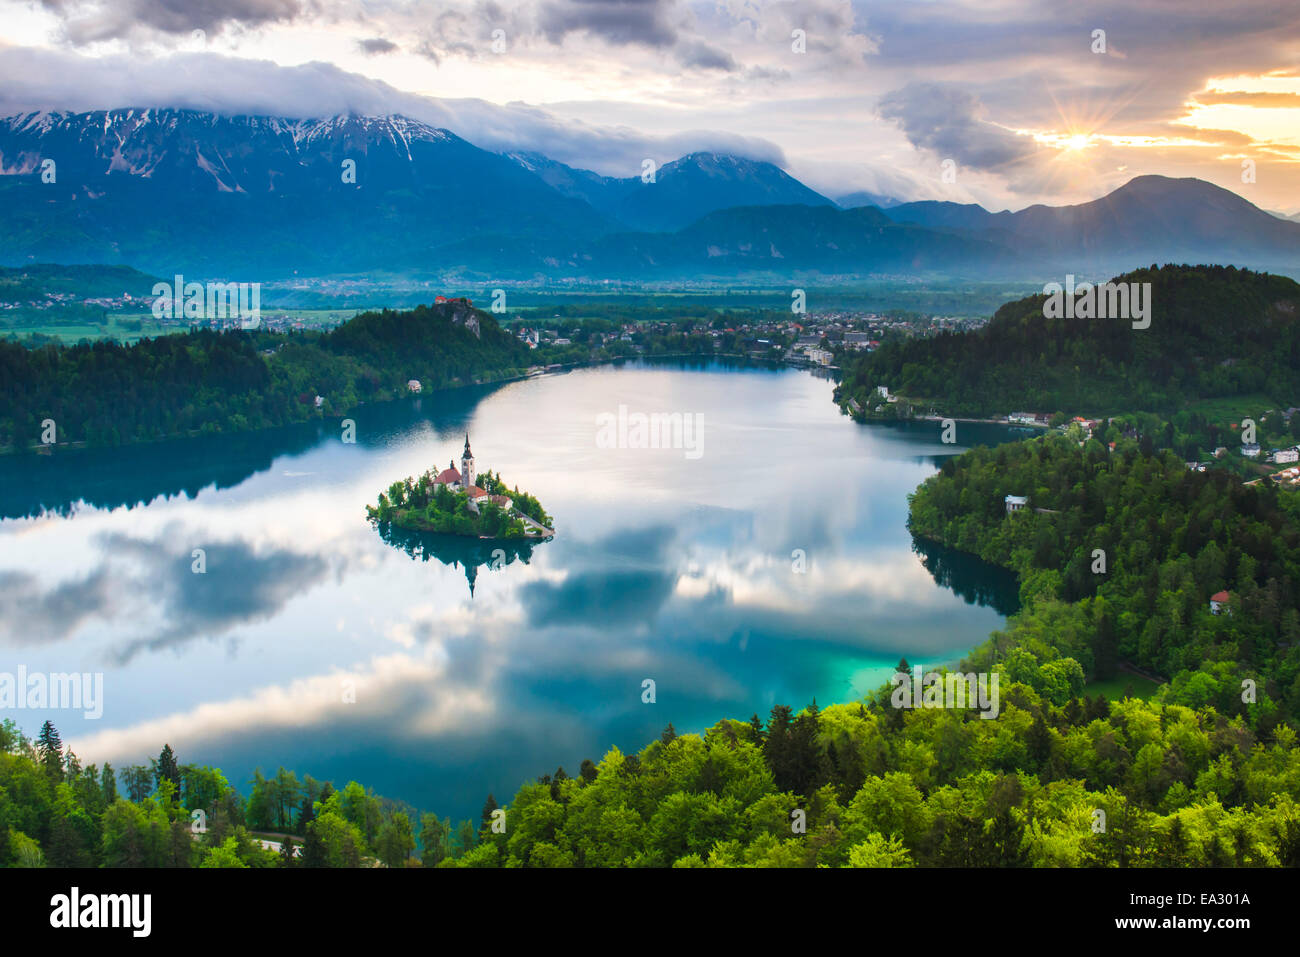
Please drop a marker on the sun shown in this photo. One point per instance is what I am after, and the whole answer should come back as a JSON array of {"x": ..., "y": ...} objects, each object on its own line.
[{"x": 1079, "y": 141}]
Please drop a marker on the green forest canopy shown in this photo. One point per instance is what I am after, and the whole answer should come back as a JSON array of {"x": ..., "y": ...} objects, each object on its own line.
[{"x": 1215, "y": 331}]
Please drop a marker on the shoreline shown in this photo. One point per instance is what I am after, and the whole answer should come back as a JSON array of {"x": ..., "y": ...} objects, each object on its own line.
[{"x": 558, "y": 368}]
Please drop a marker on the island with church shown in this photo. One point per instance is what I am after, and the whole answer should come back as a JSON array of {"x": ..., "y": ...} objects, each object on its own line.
[{"x": 461, "y": 502}]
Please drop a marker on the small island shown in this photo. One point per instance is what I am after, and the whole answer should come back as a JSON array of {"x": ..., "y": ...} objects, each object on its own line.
[{"x": 461, "y": 502}]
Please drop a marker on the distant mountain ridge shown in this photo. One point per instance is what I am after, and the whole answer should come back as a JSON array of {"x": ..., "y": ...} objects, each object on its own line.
[
  {"x": 680, "y": 193},
  {"x": 866, "y": 198},
  {"x": 1149, "y": 217},
  {"x": 265, "y": 197}
]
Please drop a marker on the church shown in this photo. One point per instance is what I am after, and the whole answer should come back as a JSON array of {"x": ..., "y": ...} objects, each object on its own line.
[{"x": 464, "y": 479}]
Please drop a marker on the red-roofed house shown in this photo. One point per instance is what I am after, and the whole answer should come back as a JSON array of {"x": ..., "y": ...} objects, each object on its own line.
[{"x": 1218, "y": 600}]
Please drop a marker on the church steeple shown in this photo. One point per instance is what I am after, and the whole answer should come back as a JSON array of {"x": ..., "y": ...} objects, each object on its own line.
[{"x": 467, "y": 465}]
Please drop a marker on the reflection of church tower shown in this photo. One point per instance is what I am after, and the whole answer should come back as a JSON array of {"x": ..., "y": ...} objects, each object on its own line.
[{"x": 467, "y": 465}]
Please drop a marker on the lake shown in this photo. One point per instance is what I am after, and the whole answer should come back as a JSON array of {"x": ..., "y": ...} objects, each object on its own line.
[{"x": 772, "y": 564}]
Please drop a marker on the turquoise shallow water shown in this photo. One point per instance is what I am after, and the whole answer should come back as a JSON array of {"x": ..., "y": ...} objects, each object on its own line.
[{"x": 312, "y": 642}]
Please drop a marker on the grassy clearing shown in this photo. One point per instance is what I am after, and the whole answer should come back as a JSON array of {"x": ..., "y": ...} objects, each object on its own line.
[
  {"x": 1113, "y": 688},
  {"x": 1233, "y": 408}
]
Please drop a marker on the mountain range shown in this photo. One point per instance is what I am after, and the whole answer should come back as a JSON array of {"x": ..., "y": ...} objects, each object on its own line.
[
  {"x": 1184, "y": 220},
  {"x": 266, "y": 197}
]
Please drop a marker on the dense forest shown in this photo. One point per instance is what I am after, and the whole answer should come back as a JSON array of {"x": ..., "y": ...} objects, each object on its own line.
[
  {"x": 1118, "y": 554},
  {"x": 1056, "y": 780},
  {"x": 1215, "y": 331},
  {"x": 104, "y": 393}
]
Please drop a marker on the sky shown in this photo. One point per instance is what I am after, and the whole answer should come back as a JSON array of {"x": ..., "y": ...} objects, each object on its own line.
[{"x": 1002, "y": 102}]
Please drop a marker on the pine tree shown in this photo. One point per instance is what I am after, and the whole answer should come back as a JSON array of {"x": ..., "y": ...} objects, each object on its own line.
[
  {"x": 559, "y": 778},
  {"x": 108, "y": 784},
  {"x": 313, "y": 848},
  {"x": 166, "y": 768},
  {"x": 50, "y": 749}
]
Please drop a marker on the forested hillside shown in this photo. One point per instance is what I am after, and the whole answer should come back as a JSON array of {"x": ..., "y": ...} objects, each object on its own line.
[
  {"x": 108, "y": 394},
  {"x": 41, "y": 280},
  {"x": 1118, "y": 555},
  {"x": 877, "y": 787},
  {"x": 1215, "y": 331}
]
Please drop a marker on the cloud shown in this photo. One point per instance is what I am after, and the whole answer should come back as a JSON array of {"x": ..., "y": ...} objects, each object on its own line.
[
  {"x": 28, "y": 616},
  {"x": 376, "y": 46},
  {"x": 654, "y": 24},
  {"x": 32, "y": 79},
  {"x": 241, "y": 585},
  {"x": 620, "y": 22},
  {"x": 1241, "y": 98},
  {"x": 315, "y": 702},
  {"x": 693, "y": 53},
  {"x": 948, "y": 122},
  {"x": 675, "y": 63},
  {"x": 91, "y": 21}
]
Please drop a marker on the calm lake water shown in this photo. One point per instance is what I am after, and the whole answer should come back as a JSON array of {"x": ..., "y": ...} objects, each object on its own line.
[{"x": 674, "y": 568}]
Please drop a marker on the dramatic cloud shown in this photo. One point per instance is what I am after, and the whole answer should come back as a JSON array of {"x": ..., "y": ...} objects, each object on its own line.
[
  {"x": 90, "y": 21},
  {"x": 873, "y": 85},
  {"x": 646, "y": 22},
  {"x": 242, "y": 585},
  {"x": 656, "y": 24},
  {"x": 948, "y": 122},
  {"x": 33, "y": 79}
]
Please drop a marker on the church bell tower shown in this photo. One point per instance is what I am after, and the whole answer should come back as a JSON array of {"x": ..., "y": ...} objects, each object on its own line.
[{"x": 467, "y": 465}]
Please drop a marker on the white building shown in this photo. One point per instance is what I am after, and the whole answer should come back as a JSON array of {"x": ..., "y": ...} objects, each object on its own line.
[
  {"x": 413, "y": 385},
  {"x": 1286, "y": 455},
  {"x": 1015, "y": 503}
]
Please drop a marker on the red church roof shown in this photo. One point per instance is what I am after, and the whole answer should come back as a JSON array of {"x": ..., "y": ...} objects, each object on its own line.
[
  {"x": 448, "y": 476},
  {"x": 476, "y": 492}
]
